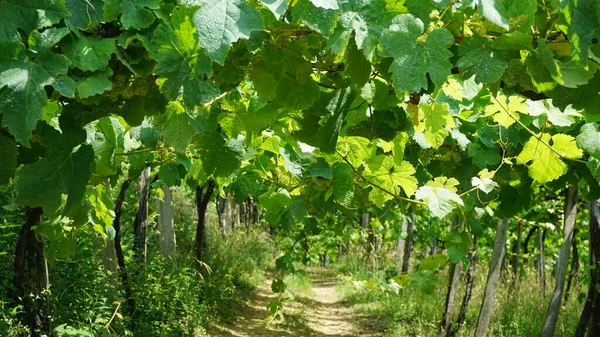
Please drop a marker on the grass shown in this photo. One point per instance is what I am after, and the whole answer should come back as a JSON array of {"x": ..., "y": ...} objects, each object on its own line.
[{"x": 518, "y": 312}]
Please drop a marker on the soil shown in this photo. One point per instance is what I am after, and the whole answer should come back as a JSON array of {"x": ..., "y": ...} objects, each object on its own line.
[{"x": 320, "y": 312}]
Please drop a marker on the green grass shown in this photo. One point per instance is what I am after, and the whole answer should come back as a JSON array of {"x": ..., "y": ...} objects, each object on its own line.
[{"x": 518, "y": 313}]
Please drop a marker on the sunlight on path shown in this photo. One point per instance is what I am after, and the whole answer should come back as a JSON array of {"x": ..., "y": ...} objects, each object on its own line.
[{"x": 319, "y": 313}]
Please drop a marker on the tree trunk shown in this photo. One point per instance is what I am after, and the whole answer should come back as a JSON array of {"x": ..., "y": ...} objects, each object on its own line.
[
  {"x": 119, "y": 251},
  {"x": 487, "y": 306},
  {"x": 541, "y": 260},
  {"x": 435, "y": 248},
  {"x": 31, "y": 277},
  {"x": 141, "y": 219},
  {"x": 409, "y": 241},
  {"x": 203, "y": 195},
  {"x": 221, "y": 203},
  {"x": 400, "y": 246},
  {"x": 165, "y": 222},
  {"x": 455, "y": 270},
  {"x": 516, "y": 250},
  {"x": 570, "y": 214},
  {"x": 590, "y": 315},
  {"x": 468, "y": 290},
  {"x": 526, "y": 246},
  {"x": 574, "y": 266}
]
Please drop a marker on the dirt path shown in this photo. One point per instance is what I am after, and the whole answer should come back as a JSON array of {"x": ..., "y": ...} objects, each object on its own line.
[{"x": 318, "y": 313}]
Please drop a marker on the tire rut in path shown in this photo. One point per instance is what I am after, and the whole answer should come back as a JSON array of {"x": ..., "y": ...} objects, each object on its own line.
[{"x": 318, "y": 313}]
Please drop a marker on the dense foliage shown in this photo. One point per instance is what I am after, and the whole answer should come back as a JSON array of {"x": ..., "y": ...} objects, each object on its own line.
[{"x": 317, "y": 110}]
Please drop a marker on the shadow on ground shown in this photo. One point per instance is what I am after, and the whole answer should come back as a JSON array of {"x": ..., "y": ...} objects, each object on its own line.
[{"x": 320, "y": 313}]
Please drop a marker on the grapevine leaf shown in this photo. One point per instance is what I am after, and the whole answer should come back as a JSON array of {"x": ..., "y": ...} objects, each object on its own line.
[
  {"x": 319, "y": 19},
  {"x": 343, "y": 183},
  {"x": 416, "y": 55},
  {"x": 440, "y": 201},
  {"x": 64, "y": 170},
  {"x": 8, "y": 164},
  {"x": 505, "y": 109},
  {"x": 95, "y": 84},
  {"x": 134, "y": 13},
  {"x": 29, "y": 15},
  {"x": 218, "y": 157},
  {"x": 319, "y": 169},
  {"x": 435, "y": 118},
  {"x": 546, "y": 165},
  {"x": 296, "y": 94},
  {"x": 444, "y": 182},
  {"x": 104, "y": 145},
  {"x": 589, "y": 139},
  {"x": 90, "y": 53},
  {"x": 484, "y": 184},
  {"x": 583, "y": 21},
  {"x": 274, "y": 202},
  {"x": 355, "y": 149},
  {"x": 248, "y": 184},
  {"x": 483, "y": 156},
  {"x": 22, "y": 82},
  {"x": 494, "y": 11},
  {"x": 338, "y": 109},
  {"x": 176, "y": 129},
  {"x": 554, "y": 114},
  {"x": 182, "y": 65},
  {"x": 84, "y": 14},
  {"x": 381, "y": 171},
  {"x": 356, "y": 66},
  {"x": 220, "y": 23},
  {"x": 478, "y": 58},
  {"x": 327, "y": 4},
  {"x": 277, "y": 7}
]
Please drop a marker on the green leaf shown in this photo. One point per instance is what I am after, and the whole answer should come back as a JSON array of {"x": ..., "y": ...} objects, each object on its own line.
[
  {"x": 8, "y": 164},
  {"x": 434, "y": 262},
  {"x": 484, "y": 184},
  {"x": 554, "y": 114},
  {"x": 177, "y": 129},
  {"x": 338, "y": 108},
  {"x": 327, "y": 4},
  {"x": 64, "y": 170},
  {"x": 440, "y": 201},
  {"x": 182, "y": 66},
  {"x": 546, "y": 165},
  {"x": 483, "y": 156},
  {"x": 458, "y": 245},
  {"x": 22, "y": 94},
  {"x": 505, "y": 110},
  {"x": 278, "y": 286},
  {"x": 355, "y": 149},
  {"x": 277, "y": 7},
  {"x": 28, "y": 16},
  {"x": 134, "y": 13},
  {"x": 105, "y": 145},
  {"x": 589, "y": 139},
  {"x": 90, "y": 53},
  {"x": 494, "y": 11},
  {"x": 220, "y": 23},
  {"x": 319, "y": 19},
  {"x": 84, "y": 14},
  {"x": 582, "y": 22},
  {"x": 297, "y": 94},
  {"x": 95, "y": 84},
  {"x": 248, "y": 184},
  {"x": 218, "y": 157},
  {"x": 275, "y": 202},
  {"x": 478, "y": 58},
  {"x": 356, "y": 66},
  {"x": 381, "y": 171},
  {"x": 416, "y": 55},
  {"x": 343, "y": 183},
  {"x": 319, "y": 169},
  {"x": 432, "y": 123}
]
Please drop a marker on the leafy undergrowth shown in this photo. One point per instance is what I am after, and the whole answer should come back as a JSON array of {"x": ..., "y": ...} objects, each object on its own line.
[
  {"x": 412, "y": 312},
  {"x": 172, "y": 298}
]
